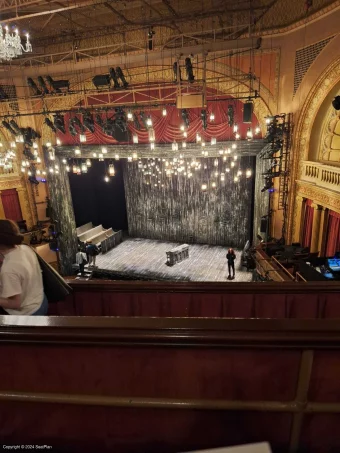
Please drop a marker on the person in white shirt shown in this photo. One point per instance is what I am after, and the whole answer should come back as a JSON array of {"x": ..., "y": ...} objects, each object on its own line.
[{"x": 21, "y": 283}]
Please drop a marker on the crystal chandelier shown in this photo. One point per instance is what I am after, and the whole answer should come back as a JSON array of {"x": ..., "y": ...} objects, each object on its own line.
[{"x": 10, "y": 44}]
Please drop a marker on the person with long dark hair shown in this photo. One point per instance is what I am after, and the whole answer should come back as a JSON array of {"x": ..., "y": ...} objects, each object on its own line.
[
  {"x": 231, "y": 257},
  {"x": 21, "y": 283}
]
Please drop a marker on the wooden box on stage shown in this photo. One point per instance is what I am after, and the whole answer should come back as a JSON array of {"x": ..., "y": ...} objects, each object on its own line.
[{"x": 177, "y": 254}]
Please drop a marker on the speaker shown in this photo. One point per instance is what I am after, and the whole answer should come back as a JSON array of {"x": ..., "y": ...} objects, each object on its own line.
[
  {"x": 247, "y": 112},
  {"x": 264, "y": 225}
]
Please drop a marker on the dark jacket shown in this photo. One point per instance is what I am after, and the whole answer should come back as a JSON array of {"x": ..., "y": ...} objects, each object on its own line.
[
  {"x": 231, "y": 257},
  {"x": 92, "y": 250}
]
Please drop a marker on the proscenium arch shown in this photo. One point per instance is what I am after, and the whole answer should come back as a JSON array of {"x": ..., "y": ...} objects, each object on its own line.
[{"x": 321, "y": 93}]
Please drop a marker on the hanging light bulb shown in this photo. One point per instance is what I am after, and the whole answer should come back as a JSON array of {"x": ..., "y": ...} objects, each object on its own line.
[
  {"x": 111, "y": 170},
  {"x": 213, "y": 185},
  {"x": 13, "y": 145},
  {"x": 222, "y": 177},
  {"x": 129, "y": 158},
  {"x": 216, "y": 174},
  {"x": 35, "y": 145},
  {"x": 164, "y": 112},
  {"x": 204, "y": 187},
  {"x": 56, "y": 167},
  {"x": 206, "y": 153},
  {"x": 58, "y": 142},
  {"x": 235, "y": 157},
  {"x": 23, "y": 170},
  {"x": 38, "y": 160},
  {"x": 29, "y": 173},
  {"x": 82, "y": 138},
  {"x": 88, "y": 162},
  {"x": 234, "y": 146},
  {"x": 44, "y": 173},
  {"x": 134, "y": 156},
  {"x": 220, "y": 151},
  {"x": 174, "y": 146},
  {"x": 64, "y": 161},
  {"x": 149, "y": 121},
  {"x": 77, "y": 152},
  {"x": 216, "y": 162},
  {"x": 268, "y": 120},
  {"x": 212, "y": 116},
  {"x": 185, "y": 134},
  {"x": 203, "y": 144},
  {"x": 129, "y": 116},
  {"x": 182, "y": 127},
  {"x": 235, "y": 128},
  {"x": 152, "y": 146},
  {"x": 236, "y": 179},
  {"x": 94, "y": 154},
  {"x": 249, "y": 134},
  {"x": 184, "y": 144},
  {"x": 213, "y": 141},
  {"x": 135, "y": 138},
  {"x": 51, "y": 170},
  {"x": 51, "y": 155},
  {"x": 151, "y": 134},
  {"x": 104, "y": 150},
  {"x": 116, "y": 156},
  {"x": 237, "y": 136},
  {"x": 48, "y": 145},
  {"x": 228, "y": 151},
  {"x": 224, "y": 158},
  {"x": 38, "y": 172},
  {"x": 257, "y": 130},
  {"x": 106, "y": 179},
  {"x": 232, "y": 164},
  {"x": 239, "y": 173},
  {"x": 68, "y": 168},
  {"x": 198, "y": 138},
  {"x": 84, "y": 167},
  {"x": 101, "y": 157},
  {"x": 248, "y": 173}
]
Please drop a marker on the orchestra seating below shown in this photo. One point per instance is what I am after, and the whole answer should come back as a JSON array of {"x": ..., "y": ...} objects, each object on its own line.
[{"x": 169, "y": 385}]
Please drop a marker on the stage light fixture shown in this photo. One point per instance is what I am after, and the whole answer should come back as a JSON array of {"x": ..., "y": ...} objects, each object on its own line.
[
  {"x": 184, "y": 144},
  {"x": 82, "y": 138},
  {"x": 224, "y": 158},
  {"x": 204, "y": 119},
  {"x": 58, "y": 85},
  {"x": 235, "y": 179},
  {"x": 88, "y": 121},
  {"x": 222, "y": 177},
  {"x": 235, "y": 128},
  {"x": 58, "y": 142},
  {"x": 174, "y": 146},
  {"x": 230, "y": 116},
  {"x": 59, "y": 123},
  {"x": 68, "y": 168},
  {"x": 257, "y": 130},
  {"x": 77, "y": 152},
  {"x": 232, "y": 164},
  {"x": 237, "y": 136},
  {"x": 31, "y": 83},
  {"x": 49, "y": 123},
  {"x": 204, "y": 187},
  {"x": 234, "y": 146},
  {"x": 164, "y": 112},
  {"x": 152, "y": 146},
  {"x": 101, "y": 80},
  {"x": 94, "y": 155},
  {"x": 212, "y": 116},
  {"x": 43, "y": 85},
  {"x": 101, "y": 157},
  {"x": 249, "y": 134},
  {"x": 177, "y": 72},
  {"x": 151, "y": 134},
  {"x": 111, "y": 170},
  {"x": 88, "y": 162},
  {"x": 216, "y": 162},
  {"x": 130, "y": 116},
  {"x": 84, "y": 167},
  {"x": 104, "y": 150},
  {"x": 336, "y": 103},
  {"x": 129, "y": 158},
  {"x": 120, "y": 75},
  {"x": 64, "y": 161},
  {"x": 213, "y": 141},
  {"x": 248, "y": 173},
  {"x": 107, "y": 179},
  {"x": 189, "y": 70},
  {"x": 213, "y": 185},
  {"x": 149, "y": 122},
  {"x": 185, "y": 117},
  {"x": 135, "y": 138},
  {"x": 203, "y": 144}
]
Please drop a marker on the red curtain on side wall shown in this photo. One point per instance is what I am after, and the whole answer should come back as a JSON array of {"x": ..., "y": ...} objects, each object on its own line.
[
  {"x": 10, "y": 201},
  {"x": 308, "y": 224},
  {"x": 333, "y": 234}
]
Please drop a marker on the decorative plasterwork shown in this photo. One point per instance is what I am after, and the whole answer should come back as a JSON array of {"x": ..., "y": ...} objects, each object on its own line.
[
  {"x": 324, "y": 197},
  {"x": 330, "y": 138},
  {"x": 308, "y": 114}
]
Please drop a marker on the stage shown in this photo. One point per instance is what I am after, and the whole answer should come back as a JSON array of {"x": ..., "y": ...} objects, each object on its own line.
[{"x": 145, "y": 259}]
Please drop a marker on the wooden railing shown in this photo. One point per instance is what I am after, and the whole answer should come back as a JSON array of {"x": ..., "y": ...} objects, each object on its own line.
[
  {"x": 197, "y": 299},
  {"x": 326, "y": 176},
  {"x": 169, "y": 385}
]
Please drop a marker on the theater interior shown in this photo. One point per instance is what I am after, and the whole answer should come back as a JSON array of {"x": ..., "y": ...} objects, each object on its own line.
[{"x": 166, "y": 133}]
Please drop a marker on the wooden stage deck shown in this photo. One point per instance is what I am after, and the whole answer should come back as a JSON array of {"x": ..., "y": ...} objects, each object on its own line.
[{"x": 146, "y": 259}]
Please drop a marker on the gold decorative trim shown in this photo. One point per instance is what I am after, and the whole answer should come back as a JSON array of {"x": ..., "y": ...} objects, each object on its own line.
[{"x": 325, "y": 198}]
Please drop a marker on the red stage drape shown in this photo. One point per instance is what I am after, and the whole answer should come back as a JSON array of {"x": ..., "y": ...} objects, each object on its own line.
[
  {"x": 333, "y": 234},
  {"x": 10, "y": 201},
  {"x": 308, "y": 224}
]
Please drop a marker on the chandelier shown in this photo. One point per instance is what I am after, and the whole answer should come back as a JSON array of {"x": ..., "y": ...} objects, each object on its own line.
[{"x": 10, "y": 44}]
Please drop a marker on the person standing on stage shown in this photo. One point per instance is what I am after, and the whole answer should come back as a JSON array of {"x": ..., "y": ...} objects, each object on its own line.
[
  {"x": 92, "y": 250},
  {"x": 231, "y": 257}
]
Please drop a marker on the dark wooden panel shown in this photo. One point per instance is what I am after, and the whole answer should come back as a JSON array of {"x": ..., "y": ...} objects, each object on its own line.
[
  {"x": 181, "y": 212},
  {"x": 321, "y": 433},
  {"x": 102, "y": 429}
]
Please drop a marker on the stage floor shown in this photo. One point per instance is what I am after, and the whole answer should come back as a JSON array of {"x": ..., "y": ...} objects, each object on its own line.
[{"x": 147, "y": 258}]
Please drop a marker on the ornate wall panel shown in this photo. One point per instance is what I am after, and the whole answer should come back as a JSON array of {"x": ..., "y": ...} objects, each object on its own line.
[{"x": 180, "y": 211}]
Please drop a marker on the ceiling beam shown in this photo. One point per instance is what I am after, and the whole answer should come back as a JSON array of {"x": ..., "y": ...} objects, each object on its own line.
[
  {"x": 118, "y": 14},
  {"x": 103, "y": 63},
  {"x": 47, "y": 22},
  {"x": 170, "y": 8}
]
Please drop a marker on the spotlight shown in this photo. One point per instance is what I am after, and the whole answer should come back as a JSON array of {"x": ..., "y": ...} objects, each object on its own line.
[
  {"x": 8, "y": 127},
  {"x": 33, "y": 180},
  {"x": 102, "y": 80},
  {"x": 115, "y": 79},
  {"x": 151, "y": 34},
  {"x": 43, "y": 85},
  {"x": 49, "y": 123},
  {"x": 120, "y": 119},
  {"x": 3, "y": 94},
  {"x": 136, "y": 122},
  {"x": 177, "y": 72},
  {"x": 189, "y": 70},
  {"x": 120, "y": 74},
  {"x": 204, "y": 119},
  {"x": 144, "y": 119},
  {"x": 99, "y": 121},
  {"x": 75, "y": 122},
  {"x": 268, "y": 184},
  {"x": 31, "y": 83},
  {"x": 336, "y": 103},
  {"x": 88, "y": 121},
  {"x": 58, "y": 85},
  {"x": 185, "y": 117},
  {"x": 15, "y": 127},
  {"x": 230, "y": 115},
  {"x": 59, "y": 123}
]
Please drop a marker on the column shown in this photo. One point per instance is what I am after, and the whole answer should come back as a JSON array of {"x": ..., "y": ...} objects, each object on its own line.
[
  {"x": 323, "y": 230},
  {"x": 298, "y": 218},
  {"x": 316, "y": 227},
  {"x": 25, "y": 206},
  {"x": 2, "y": 211}
]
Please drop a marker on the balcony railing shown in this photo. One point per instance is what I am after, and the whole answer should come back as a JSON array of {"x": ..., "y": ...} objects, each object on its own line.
[{"x": 321, "y": 175}]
